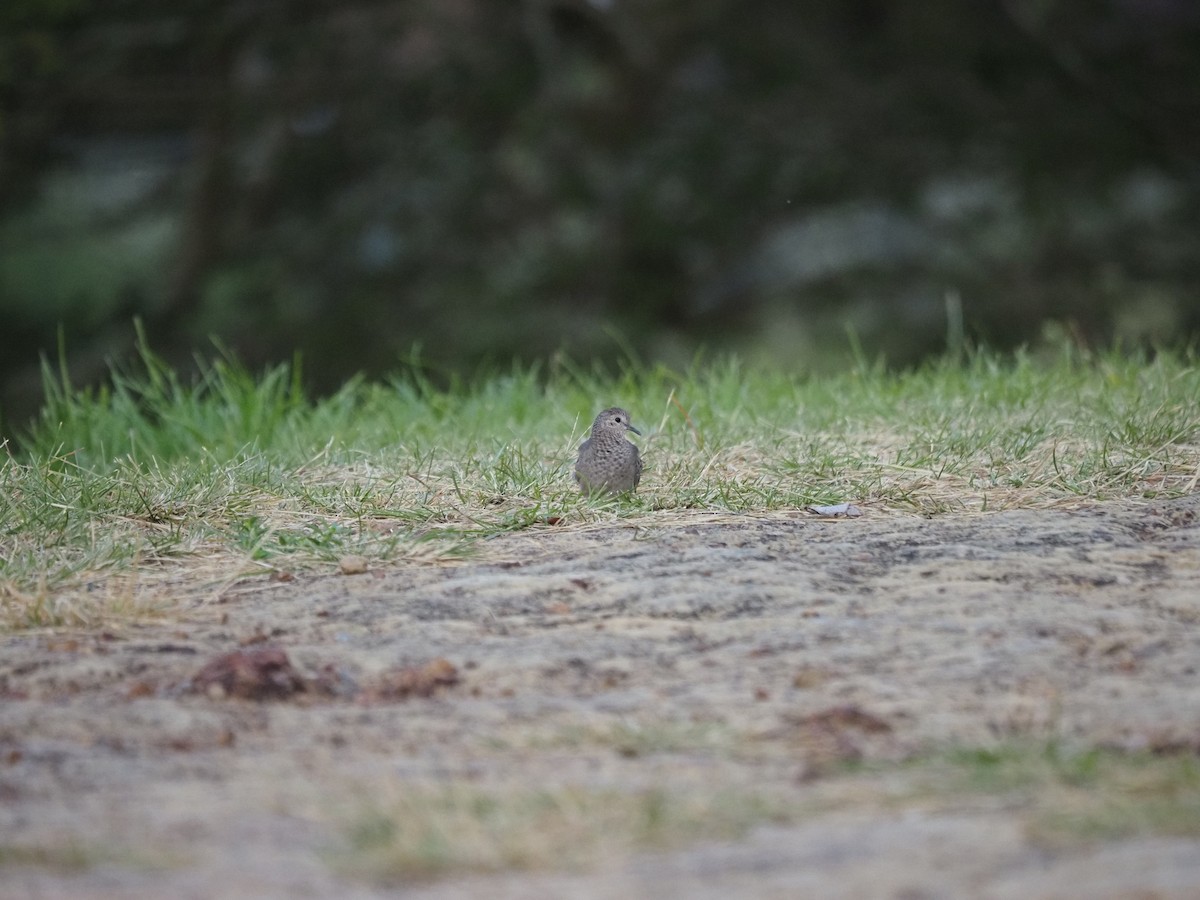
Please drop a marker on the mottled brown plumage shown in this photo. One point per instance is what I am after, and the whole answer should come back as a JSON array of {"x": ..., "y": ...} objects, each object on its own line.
[{"x": 608, "y": 463}]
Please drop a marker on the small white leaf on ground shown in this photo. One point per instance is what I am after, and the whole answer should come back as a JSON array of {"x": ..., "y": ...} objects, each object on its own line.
[{"x": 839, "y": 509}]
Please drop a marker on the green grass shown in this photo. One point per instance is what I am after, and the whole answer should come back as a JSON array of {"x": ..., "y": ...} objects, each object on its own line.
[
  {"x": 424, "y": 831},
  {"x": 234, "y": 475},
  {"x": 1070, "y": 796},
  {"x": 72, "y": 856},
  {"x": 1062, "y": 797}
]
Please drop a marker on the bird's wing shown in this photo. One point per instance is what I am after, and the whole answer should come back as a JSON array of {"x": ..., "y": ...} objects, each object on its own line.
[{"x": 583, "y": 448}]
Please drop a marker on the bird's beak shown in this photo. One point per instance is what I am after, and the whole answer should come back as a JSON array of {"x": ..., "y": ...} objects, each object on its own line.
[{"x": 634, "y": 430}]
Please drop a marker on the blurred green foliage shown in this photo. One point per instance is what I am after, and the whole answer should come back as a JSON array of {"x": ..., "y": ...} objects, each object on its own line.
[{"x": 507, "y": 180}]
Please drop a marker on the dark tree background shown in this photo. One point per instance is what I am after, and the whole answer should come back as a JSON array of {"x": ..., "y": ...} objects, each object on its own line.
[{"x": 492, "y": 180}]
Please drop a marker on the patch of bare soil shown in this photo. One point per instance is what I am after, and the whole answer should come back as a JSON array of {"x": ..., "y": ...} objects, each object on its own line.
[{"x": 229, "y": 754}]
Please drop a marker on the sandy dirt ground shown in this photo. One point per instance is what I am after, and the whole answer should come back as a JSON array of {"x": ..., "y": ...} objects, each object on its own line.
[{"x": 224, "y": 753}]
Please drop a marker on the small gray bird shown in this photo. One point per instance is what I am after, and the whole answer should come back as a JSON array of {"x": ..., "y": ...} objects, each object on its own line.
[{"x": 607, "y": 462}]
